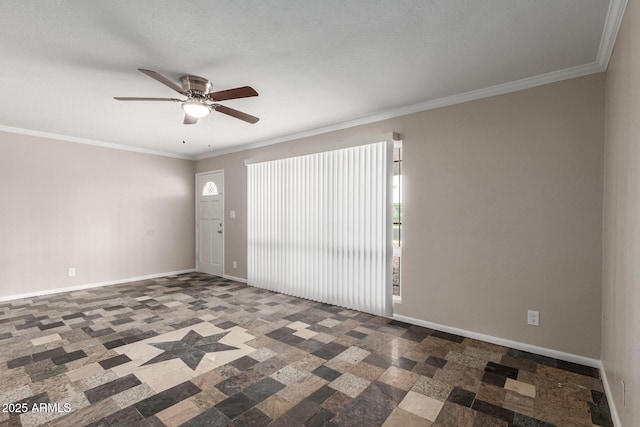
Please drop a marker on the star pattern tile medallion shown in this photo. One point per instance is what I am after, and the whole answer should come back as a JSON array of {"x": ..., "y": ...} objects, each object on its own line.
[
  {"x": 169, "y": 359},
  {"x": 190, "y": 349}
]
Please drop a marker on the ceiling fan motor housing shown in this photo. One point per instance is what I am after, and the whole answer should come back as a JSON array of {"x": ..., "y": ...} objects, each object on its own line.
[
  {"x": 198, "y": 92},
  {"x": 196, "y": 86}
]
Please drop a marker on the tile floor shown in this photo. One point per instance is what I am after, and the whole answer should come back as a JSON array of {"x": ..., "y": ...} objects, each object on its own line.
[{"x": 198, "y": 350}]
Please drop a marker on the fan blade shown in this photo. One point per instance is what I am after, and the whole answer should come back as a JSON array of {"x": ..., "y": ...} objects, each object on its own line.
[
  {"x": 188, "y": 120},
  {"x": 165, "y": 81},
  {"x": 239, "y": 92},
  {"x": 235, "y": 113},
  {"x": 129, "y": 98}
]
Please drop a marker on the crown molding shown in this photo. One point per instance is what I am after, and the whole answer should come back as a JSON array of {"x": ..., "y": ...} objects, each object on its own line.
[
  {"x": 388, "y": 137},
  {"x": 607, "y": 41},
  {"x": 94, "y": 142},
  {"x": 501, "y": 89},
  {"x": 609, "y": 33}
]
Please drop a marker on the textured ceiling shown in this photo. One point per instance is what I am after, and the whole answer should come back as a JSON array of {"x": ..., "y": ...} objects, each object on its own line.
[{"x": 316, "y": 64}]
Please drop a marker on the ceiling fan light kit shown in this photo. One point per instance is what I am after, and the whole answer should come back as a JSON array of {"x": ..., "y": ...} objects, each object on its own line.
[
  {"x": 196, "y": 108},
  {"x": 198, "y": 93}
]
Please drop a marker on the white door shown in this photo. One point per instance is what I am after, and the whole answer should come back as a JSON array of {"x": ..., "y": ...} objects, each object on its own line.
[{"x": 209, "y": 223}]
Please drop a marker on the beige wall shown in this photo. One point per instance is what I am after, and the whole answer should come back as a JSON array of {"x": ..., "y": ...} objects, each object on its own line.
[
  {"x": 503, "y": 202},
  {"x": 621, "y": 249},
  {"x": 111, "y": 214}
]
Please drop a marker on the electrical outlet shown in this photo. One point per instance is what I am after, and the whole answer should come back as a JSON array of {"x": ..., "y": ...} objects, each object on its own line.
[
  {"x": 72, "y": 272},
  {"x": 232, "y": 214},
  {"x": 235, "y": 264},
  {"x": 533, "y": 318}
]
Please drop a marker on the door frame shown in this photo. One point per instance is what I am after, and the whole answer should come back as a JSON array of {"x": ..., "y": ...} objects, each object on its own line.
[{"x": 224, "y": 229}]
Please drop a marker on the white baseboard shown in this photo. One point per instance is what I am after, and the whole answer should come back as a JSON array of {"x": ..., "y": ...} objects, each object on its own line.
[
  {"x": 237, "y": 279},
  {"x": 607, "y": 390},
  {"x": 92, "y": 285},
  {"x": 569, "y": 357}
]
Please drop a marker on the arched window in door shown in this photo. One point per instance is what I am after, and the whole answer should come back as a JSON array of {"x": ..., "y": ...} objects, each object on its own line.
[{"x": 210, "y": 189}]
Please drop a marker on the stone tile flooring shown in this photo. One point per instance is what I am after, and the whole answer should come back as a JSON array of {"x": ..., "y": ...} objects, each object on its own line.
[{"x": 198, "y": 350}]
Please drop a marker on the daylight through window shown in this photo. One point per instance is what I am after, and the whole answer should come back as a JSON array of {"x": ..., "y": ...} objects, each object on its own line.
[
  {"x": 397, "y": 216},
  {"x": 210, "y": 189}
]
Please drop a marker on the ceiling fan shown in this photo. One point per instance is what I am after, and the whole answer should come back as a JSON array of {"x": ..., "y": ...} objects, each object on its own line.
[{"x": 200, "y": 100}]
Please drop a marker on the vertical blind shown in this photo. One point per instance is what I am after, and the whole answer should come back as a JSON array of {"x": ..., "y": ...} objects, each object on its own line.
[{"x": 319, "y": 227}]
